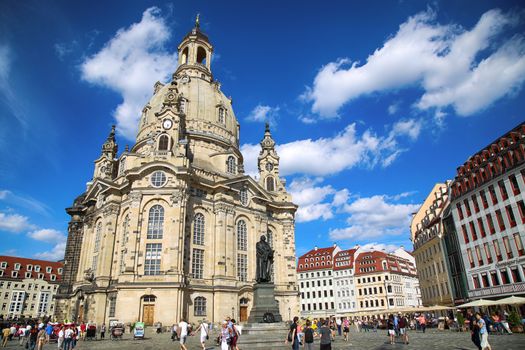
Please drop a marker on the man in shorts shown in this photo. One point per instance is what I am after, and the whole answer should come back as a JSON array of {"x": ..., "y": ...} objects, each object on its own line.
[
  {"x": 403, "y": 325},
  {"x": 183, "y": 334}
]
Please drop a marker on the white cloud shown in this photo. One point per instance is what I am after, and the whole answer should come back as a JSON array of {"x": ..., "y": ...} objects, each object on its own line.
[
  {"x": 374, "y": 216},
  {"x": 130, "y": 63},
  {"x": 24, "y": 202},
  {"x": 47, "y": 235},
  {"x": 14, "y": 223},
  {"x": 393, "y": 108},
  {"x": 340, "y": 152},
  {"x": 55, "y": 254},
  {"x": 467, "y": 70},
  {"x": 309, "y": 197},
  {"x": 387, "y": 248},
  {"x": 264, "y": 113}
]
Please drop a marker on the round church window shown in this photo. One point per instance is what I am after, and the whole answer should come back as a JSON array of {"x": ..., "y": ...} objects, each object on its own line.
[{"x": 158, "y": 179}]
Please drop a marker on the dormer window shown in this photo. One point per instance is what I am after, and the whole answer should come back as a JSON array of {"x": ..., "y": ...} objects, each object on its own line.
[
  {"x": 230, "y": 165},
  {"x": 29, "y": 267},
  {"x": 14, "y": 274},
  {"x": 37, "y": 268},
  {"x": 53, "y": 278},
  {"x": 49, "y": 269},
  {"x": 17, "y": 266},
  {"x": 41, "y": 276},
  {"x": 222, "y": 113},
  {"x": 28, "y": 274},
  {"x": 60, "y": 271},
  {"x": 3, "y": 265},
  {"x": 164, "y": 142}
]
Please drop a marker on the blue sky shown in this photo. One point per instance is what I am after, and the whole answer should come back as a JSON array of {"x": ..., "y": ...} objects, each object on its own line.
[{"x": 371, "y": 103}]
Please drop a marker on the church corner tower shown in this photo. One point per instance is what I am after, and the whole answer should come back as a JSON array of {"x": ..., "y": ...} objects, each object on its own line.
[{"x": 169, "y": 226}]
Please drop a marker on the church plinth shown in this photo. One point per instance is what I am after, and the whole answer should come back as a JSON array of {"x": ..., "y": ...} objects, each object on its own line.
[{"x": 264, "y": 303}]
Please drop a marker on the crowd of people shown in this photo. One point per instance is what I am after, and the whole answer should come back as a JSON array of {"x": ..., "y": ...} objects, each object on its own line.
[{"x": 226, "y": 339}]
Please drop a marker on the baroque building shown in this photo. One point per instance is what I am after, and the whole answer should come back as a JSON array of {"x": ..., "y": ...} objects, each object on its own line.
[
  {"x": 28, "y": 287},
  {"x": 168, "y": 228},
  {"x": 427, "y": 234}
]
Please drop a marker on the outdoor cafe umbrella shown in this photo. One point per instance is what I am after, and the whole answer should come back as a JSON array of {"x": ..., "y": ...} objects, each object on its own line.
[
  {"x": 479, "y": 302},
  {"x": 513, "y": 300}
]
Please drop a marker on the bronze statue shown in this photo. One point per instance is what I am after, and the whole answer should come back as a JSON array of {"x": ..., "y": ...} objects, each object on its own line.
[{"x": 264, "y": 261}]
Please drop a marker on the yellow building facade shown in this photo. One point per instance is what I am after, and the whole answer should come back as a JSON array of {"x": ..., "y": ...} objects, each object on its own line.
[{"x": 167, "y": 229}]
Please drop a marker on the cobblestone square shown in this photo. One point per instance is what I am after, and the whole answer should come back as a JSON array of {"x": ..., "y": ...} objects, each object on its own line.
[{"x": 432, "y": 339}]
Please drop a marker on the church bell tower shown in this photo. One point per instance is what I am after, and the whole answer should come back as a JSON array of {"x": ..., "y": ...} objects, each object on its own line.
[{"x": 195, "y": 53}]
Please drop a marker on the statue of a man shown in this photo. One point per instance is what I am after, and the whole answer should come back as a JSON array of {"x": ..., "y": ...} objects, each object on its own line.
[{"x": 264, "y": 261}]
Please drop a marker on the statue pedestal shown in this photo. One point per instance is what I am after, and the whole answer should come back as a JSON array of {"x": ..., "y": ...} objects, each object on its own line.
[{"x": 264, "y": 302}]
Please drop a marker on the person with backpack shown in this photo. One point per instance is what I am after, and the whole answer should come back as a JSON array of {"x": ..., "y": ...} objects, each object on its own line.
[
  {"x": 292, "y": 334},
  {"x": 308, "y": 336},
  {"x": 403, "y": 325},
  {"x": 203, "y": 327},
  {"x": 326, "y": 334}
]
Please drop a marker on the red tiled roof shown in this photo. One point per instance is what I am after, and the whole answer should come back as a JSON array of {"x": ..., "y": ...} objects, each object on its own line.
[
  {"x": 316, "y": 259},
  {"x": 344, "y": 259},
  {"x": 372, "y": 262},
  {"x": 24, "y": 262}
]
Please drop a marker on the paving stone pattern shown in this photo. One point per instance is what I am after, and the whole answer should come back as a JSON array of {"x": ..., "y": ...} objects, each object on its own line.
[{"x": 432, "y": 339}]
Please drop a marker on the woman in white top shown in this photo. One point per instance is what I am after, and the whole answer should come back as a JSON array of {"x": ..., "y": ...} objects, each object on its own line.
[
  {"x": 204, "y": 333},
  {"x": 225, "y": 336}
]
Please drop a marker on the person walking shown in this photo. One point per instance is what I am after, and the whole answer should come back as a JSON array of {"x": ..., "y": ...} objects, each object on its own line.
[
  {"x": 183, "y": 334},
  {"x": 49, "y": 331},
  {"x": 83, "y": 331},
  {"x": 41, "y": 339},
  {"x": 403, "y": 325},
  {"x": 68, "y": 335},
  {"x": 346, "y": 328},
  {"x": 422, "y": 322},
  {"x": 391, "y": 329},
  {"x": 325, "y": 333},
  {"x": 5, "y": 335},
  {"x": 483, "y": 332},
  {"x": 225, "y": 336},
  {"x": 60, "y": 340},
  {"x": 474, "y": 329},
  {"x": 292, "y": 334},
  {"x": 308, "y": 336},
  {"x": 203, "y": 327},
  {"x": 339, "y": 326},
  {"x": 103, "y": 331}
]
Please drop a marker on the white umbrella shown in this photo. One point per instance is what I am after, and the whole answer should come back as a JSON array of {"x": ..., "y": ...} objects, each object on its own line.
[
  {"x": 479, "y": 302},
  {"x": 513, "y": 300}
]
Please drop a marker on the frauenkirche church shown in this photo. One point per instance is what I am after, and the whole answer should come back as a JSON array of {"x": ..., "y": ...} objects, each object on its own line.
[{"x": 168, "y": 228}]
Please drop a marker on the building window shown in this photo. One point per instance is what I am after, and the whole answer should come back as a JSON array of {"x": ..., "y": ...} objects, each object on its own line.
[
  {"x": 488, "y": 253},
  {"x": 230, "y": 165},
  {"x": 152, "y": 261},
  {"x": 519, "y": 244},
  {"x": 270, "y": 185},
  {"x": 242, "y": 267},
  {"x": 221, "y": 115},
  {"x": 495, "y": 279},
  {"x": 501, "y": 223},
  {"x": 516, "y": 275},
  {"x": 497, "y": 250},
  {"x": 43, "y": 303},
  {"x": 197, "y": 263},
  {"x": 98, "y": 237},
  {"x": 470, "y": 258},
  {"x": 112, "y": 306},
  {"x": 508, "y": 248},
  {"x": 465, "y": 236},
  {"x": 158, "y": 179},
  {"x": 243, "y": 196},
  {"x": 29, "y": 267},
  {"x": 125, "y": 232},
  {"x": 122, "y": 166},
  {"x": 164, "y": 142},
  {"x": 479, "y": 256},
  {"x": 94, "y": 263},
  {"x": 491, "y": 224},
  {"x": 473, "y": 231},
  {"x": 467, "y": 207},
  {"x": 17, "y": 301},
  {"x": 123, "y": 261},
  {"x": 514, "y": 185},
  {"x": 182, "y": 105},
  {"x": 242, "y": 235},
  {"x": 475, "y": 203},
  {"x": 460, "y": 212},
  {"x": 521, "y": 207},
  {"x": 28, "y": 275},
  {"x": 483, "y": 197},
  {"x": 198, "y": 229},
  {"x": 155, "y": 222},
  {"x": 493, "y": 195},
  {"x": 504, "y": 276},
  {"x": 199, "y": 306},
  {"x": 503, "y": 190},
  {"x": 510, "y": 215},
  {"x": 14, "y": 274},
  {"x": 481, "y": 227}
]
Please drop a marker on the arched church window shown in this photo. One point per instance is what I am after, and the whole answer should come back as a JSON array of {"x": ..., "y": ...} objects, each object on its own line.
[
  {"x": 122, "y": 166},
  {"x": 242, "y": 235},
  {"x": 164, "y": 142},
  {"x": 198, "y": 229},
  {"x": 155, "y": 222},
  {"x": 98, "y": 236},
  {"x": 125, "y": 232},
  {"x": 269, "y": 237},
  {"x": 222, "y": 113},
  {"x": 230, "y": 165},
  {"x": 199, "y": 306},
  {"x": 270, "y": 185},
  {"x": 201, "y": 55},
  {"x": 184, "y": 56}
]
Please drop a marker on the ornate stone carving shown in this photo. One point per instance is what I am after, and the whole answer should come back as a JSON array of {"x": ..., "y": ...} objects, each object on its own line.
[
  {"x": 111, "y": 209},
  {"x": 89, "y": 275},
  {"x": 135, "y": 197}
]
